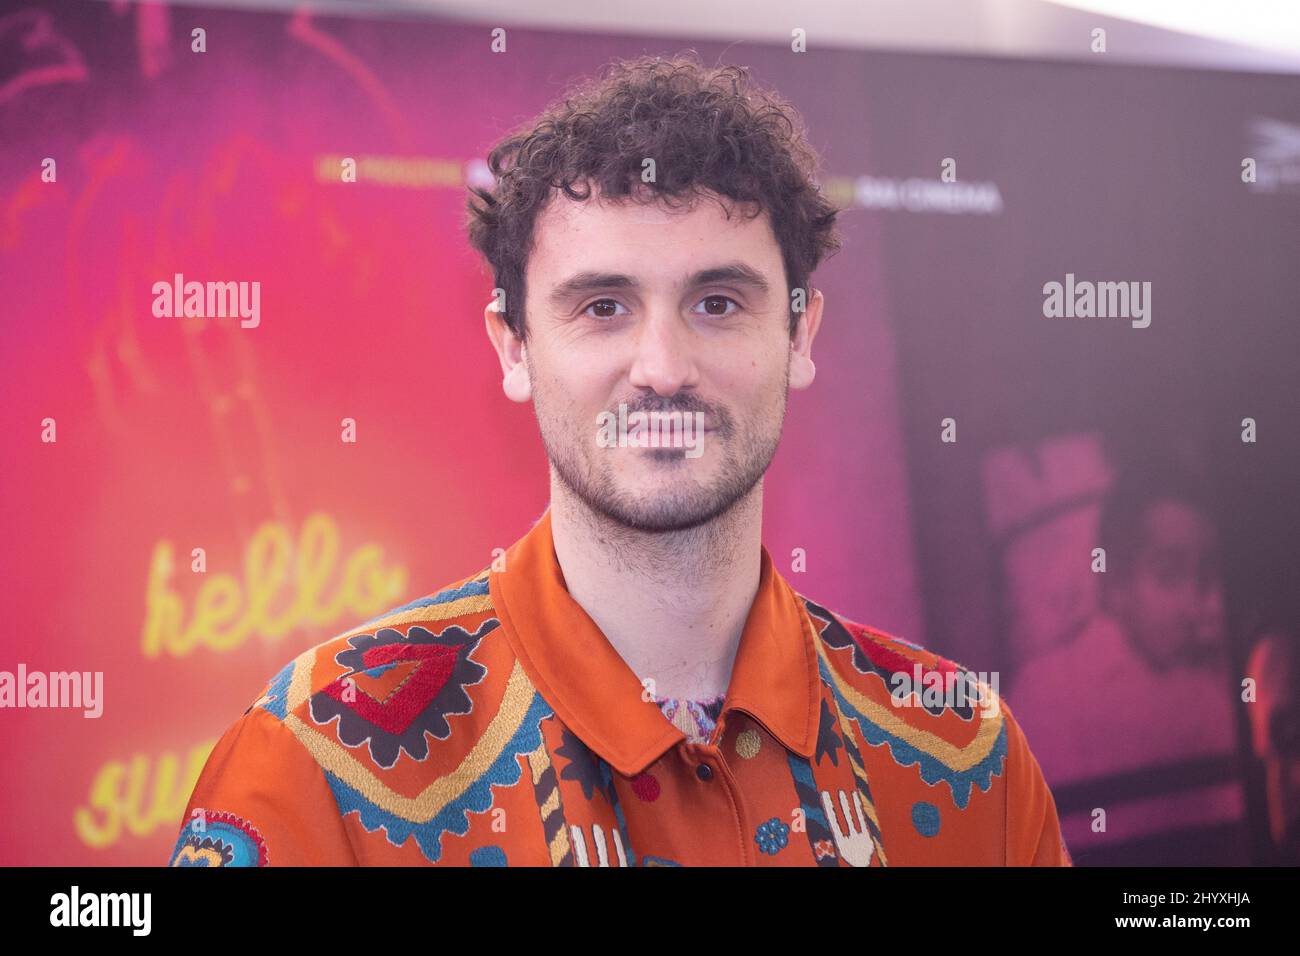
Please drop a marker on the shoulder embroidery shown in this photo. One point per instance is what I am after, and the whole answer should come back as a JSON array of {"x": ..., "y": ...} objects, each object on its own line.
[
  {"x": 963, "y": 766},
  {"x": 445, "y": 803},
  {"x": 223, "y": 840},
  {"x": 872, "y": 655},
  {"x": 399, "y": 687},
  {"x": 405, "y": 676}
]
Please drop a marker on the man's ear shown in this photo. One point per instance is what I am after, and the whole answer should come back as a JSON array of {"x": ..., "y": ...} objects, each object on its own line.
[
  {"x": 510, "y": 350},
  {"x": 802, "y": 369}
]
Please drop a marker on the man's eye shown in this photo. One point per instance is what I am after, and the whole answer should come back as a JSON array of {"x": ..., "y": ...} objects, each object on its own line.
[
  {"x": 712, "y": 303},
  {"x": 603, "y": 304}
]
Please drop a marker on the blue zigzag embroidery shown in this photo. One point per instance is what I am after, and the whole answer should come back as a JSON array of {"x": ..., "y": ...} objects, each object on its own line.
[
  {"x": 477, "y": 798},
  {"x": 472, "y": 589},
  {"x": 932, "y": 769}
]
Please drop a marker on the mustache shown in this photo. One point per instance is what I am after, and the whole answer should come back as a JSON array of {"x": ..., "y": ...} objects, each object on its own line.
[{"x": 717, "y": 418}]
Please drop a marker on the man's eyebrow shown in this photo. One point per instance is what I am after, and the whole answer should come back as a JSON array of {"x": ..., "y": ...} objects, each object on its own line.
[
  {"x": 581, "y": 283},
  {"x": 736, "y": 273}
]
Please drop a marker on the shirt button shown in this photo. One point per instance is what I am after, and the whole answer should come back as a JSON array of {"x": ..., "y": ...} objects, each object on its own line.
[{"x": 704, "y": 772}]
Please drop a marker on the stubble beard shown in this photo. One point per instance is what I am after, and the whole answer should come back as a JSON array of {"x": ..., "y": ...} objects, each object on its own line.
[{"x": 589, "y": 478}]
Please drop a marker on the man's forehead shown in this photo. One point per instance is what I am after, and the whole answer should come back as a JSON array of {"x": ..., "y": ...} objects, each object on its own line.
[{"x": 660, "y": 238}]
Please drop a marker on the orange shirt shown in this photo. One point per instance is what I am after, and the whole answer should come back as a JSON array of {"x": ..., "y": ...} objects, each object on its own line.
[{"x": 493, "y": 724}]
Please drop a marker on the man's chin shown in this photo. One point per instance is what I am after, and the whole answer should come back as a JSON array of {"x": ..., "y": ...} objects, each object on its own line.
[
  {"x": 659, "y": 514},
  {"x": 653, "y": 498},
  {"x": 660, "y": 506}
]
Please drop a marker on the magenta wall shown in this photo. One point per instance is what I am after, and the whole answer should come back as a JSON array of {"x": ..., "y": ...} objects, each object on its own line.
[{"x": 180, "y": 434}]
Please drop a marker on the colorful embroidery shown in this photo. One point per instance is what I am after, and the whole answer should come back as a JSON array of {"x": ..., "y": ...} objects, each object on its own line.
[
  {"x": 748, "y": 744},
  {"x": 584, "y": 767},
  {"x": 600, "y": 846},
  {"x": 855, "y": 854},
  {"x": 225, "y": 840},
  {"x": 872, "y": 657},
  {"x": 619, "y": 818},
  {"x": 855, "y": 841},
  {"x": 442, "y": 806},
  {"x": 546, "y": 791},
  {"x": 925, "y": 817},
  {"x": 816, "y": 825},
  {"x": 772, "y": 836},
  {"x": 828, "y": 741},
  {"x": 276, "y": 697},
  {"x": 695, "y": 718},
  {"x": 415, "y": 681},
  {"x": 401, "y": 687},
  {"x": 646, "y": 787},
  {"x": 472, "y": 597},
  {"x": 974, "y": 764},
  {"x": 488, "y": 856}
]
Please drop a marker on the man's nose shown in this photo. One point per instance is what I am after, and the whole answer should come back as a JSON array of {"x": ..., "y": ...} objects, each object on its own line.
[{"x": 665, "y": 357}]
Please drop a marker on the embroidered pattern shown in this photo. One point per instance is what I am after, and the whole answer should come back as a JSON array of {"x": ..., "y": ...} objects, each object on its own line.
[
  {"x": 872, "y": 657},
  {"x": 925, "y": 817},
  {"x": 400, "y": 687},
  {"x": 976, "y": 763},
  {"x": 816, "y": 826},
  {"x": 695, "y": 718},
  {"x": 583, "y": 767},
  {"x": 428, "y": 681},
  {"x": 226, "y": 840},
  {"x": 828, "y": 741},
  {"x": 772, "y": 836},
  {"x": 546, "y": 790},
  {"x": 445, "y": 804}
]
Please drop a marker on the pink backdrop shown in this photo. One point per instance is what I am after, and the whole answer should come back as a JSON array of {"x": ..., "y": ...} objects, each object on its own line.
[{"x": 177, "y": 434}]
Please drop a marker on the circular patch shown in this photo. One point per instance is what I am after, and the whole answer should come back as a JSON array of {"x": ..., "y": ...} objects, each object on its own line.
[
  {"x": 217, "y": 838},
  {"x": 488, "y": 856},
  {"x": 925, "y": 817},
  {"x": 747, "y": 743},
  {"x": 646, "y": 787}
]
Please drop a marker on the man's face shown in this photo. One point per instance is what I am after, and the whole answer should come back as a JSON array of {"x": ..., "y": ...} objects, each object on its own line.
[
  {"x": 1172, "y": 605},
  {"x": 620, "y": 309}
]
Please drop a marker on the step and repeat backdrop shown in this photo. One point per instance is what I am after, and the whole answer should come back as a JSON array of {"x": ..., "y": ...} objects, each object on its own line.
[{"x": 1065, "y": 315}]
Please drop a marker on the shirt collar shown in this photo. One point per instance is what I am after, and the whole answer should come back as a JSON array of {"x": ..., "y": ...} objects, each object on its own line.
[{"x": 595, "y": 694}]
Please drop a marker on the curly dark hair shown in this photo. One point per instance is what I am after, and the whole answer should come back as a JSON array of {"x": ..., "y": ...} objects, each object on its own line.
[{"x": 706, "y": 129}]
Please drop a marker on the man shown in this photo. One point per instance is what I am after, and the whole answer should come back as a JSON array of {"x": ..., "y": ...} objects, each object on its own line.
[{"x": 634, "y": 683}]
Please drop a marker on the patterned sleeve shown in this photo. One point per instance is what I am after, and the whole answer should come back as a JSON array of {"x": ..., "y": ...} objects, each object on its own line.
[
  {"x": 261, "y": 800},
  {"x": 1033, "y": 827}
]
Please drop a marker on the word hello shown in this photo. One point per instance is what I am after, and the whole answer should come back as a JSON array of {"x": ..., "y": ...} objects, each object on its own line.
[
  {"x": 102, "y": 909},
  {"x": 77, "y": 689},
  {"x": 1103, "y": 300},
  {"x": 208, "y": 300},
  {"x": 284, "y": 587},
  {"x": 652, "y": 430},
  {"x": 951, "y": 689}
]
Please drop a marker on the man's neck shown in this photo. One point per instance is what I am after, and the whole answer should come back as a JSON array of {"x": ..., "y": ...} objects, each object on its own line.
[{"x": 673, "y": 604}]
